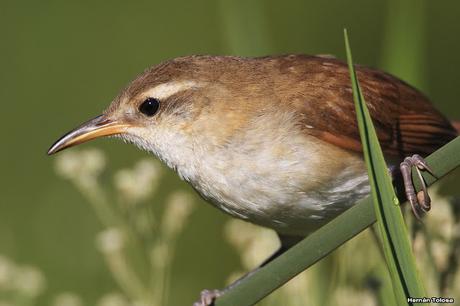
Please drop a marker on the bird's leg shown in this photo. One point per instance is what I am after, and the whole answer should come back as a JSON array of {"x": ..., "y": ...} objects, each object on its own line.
[
  {"x": 207, "y": 297},
  {"x": 421, "y": 201}
]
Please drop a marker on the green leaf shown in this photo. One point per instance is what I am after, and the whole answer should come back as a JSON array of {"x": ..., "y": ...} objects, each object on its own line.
[{"x": 396, "y": 245}]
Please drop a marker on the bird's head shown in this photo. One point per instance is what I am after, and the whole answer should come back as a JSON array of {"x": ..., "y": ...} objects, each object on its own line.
[{"x": 171, "y": 109}]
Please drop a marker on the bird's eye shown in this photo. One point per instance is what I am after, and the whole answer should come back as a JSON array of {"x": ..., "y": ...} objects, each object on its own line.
[{"x": 149, "y": 107}]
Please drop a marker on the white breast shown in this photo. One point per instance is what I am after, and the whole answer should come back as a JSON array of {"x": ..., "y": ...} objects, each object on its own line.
[
  {"x": 287, "y": 191},
  {"x": 275, "y": 177}
]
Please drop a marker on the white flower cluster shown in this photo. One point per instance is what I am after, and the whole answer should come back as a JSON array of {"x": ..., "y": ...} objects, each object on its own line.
[
  {"x": 440, "y": 224},
  {"x": 159, "y": 255},
  {"x": 111, "y": 240},
  {"x": 83, "y": 166},
  {"x": 436, "y": 244},
  {"x": 179, "y": 206},
  {"x": 67, "y": 299},
  {"x": 113, "y": 299},
  {"x": 137, "y": 184},
  {"x": 24, "y": 280},
  {"x": 131, "y": 243},
  {"x": 254, "y": 243}
]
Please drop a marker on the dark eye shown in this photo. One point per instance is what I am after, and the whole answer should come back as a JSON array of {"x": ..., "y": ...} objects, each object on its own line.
[{"x": 149, "y": 107}]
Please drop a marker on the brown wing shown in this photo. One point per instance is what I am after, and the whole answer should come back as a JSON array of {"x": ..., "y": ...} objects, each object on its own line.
[{"x": 405, "y": 121}]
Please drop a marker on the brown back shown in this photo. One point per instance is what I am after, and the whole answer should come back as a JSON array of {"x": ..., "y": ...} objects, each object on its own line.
[{"x": 318, "y": 90}]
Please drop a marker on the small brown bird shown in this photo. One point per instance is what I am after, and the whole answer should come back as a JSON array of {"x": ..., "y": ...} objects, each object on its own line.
[{"x": 271, "y": 140}]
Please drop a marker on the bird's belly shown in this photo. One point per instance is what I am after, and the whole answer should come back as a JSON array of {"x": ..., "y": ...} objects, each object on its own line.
[{"x": 292, "y": 189}]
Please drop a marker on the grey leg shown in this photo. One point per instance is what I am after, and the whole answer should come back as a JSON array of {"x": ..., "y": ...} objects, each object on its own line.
[
  {"x": 420, "y": 202},
  {"x": 207, "y": 297}
]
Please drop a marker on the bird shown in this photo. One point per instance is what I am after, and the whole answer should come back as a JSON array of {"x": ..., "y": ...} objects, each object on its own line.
[{"x": 272, "y": 140}]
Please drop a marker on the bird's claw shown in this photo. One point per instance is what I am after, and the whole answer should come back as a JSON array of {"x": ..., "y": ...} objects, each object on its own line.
[
  {"x": 421, "y": 201},
  {"x": 207, "y": 297}
]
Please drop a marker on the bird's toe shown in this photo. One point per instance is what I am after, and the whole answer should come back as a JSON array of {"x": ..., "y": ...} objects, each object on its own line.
[{"x": 207, "y": 297}]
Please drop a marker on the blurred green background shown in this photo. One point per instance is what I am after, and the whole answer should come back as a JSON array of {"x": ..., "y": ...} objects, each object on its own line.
[{"x": 62, "y": 62}]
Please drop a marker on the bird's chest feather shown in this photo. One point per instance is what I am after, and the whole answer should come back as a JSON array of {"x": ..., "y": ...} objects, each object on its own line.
[
  {"x": 275, "y": 176},
  {"x": 287, "y": 181},
  {"x": 271, "y": 174}
]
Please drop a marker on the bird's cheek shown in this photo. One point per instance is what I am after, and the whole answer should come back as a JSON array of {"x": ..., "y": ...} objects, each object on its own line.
[{"x": 140, "y": 135}]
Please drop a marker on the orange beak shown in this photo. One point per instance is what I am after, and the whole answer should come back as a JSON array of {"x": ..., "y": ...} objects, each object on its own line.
[{"x": 94, "y": 128}]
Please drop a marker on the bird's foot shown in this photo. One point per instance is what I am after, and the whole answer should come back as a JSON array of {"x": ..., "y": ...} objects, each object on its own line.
[
  {"x": 207, "y": 297},
  {"x": 421, "y": 201}
]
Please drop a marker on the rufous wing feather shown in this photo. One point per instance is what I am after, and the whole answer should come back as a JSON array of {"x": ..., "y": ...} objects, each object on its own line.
[{"x": 406, "y": 123}]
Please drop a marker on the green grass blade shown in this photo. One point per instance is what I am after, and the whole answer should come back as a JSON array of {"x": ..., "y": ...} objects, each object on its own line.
[{"x": 397, "y": 249}]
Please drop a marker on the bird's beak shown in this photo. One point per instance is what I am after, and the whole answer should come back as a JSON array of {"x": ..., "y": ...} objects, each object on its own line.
[{"x": 94, "y": 128}]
